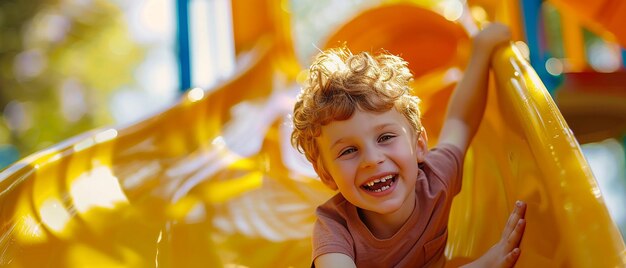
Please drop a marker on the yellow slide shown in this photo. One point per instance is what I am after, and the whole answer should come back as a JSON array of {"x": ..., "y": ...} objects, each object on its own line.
[{"x": 213, "y": 181}]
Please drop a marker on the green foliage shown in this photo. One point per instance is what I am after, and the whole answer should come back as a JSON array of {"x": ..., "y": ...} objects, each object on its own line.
[{"x": 55, "y": 55}]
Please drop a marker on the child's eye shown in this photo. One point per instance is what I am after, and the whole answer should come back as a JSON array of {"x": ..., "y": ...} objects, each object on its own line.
[
  {"x": 347, "y": 151},
  {"x": 385, "y": 137}
]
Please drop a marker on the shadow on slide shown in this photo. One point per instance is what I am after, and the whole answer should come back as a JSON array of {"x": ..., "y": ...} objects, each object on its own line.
[{"x": 212, "y": 181}]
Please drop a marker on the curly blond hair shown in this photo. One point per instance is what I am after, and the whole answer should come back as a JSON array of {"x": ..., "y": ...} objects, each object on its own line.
[{"x": 339, "y": 83}]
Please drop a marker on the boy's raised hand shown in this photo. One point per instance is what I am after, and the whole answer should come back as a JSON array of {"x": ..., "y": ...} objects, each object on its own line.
[
  {"x": 506, "y": 252},
  {"x": 491, "y": 36}
]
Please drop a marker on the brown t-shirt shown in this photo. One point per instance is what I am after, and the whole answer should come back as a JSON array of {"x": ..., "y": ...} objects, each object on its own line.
[{"x": 419, "y": 242}]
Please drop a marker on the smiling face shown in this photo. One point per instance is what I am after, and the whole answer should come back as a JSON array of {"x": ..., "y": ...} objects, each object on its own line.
[{"x": 372, "y": 159}]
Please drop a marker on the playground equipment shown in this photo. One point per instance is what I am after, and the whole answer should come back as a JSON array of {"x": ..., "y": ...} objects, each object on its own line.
[{"x": 212, "y": 181}]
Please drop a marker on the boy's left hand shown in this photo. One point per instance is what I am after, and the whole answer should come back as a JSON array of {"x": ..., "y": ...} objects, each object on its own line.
[{"x": 506, "y": 252}]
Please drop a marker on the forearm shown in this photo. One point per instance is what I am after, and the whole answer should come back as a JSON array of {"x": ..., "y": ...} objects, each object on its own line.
[{"x": 468, "y": 101}]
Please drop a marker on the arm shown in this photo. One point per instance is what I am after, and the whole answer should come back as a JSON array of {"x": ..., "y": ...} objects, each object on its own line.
[
  {"x": 467, "y": 104},
  {"x": 334, "y": 260}
]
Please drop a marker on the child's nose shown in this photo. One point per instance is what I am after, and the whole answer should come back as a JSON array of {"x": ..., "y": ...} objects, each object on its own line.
[{"x": 372, "y": 158}]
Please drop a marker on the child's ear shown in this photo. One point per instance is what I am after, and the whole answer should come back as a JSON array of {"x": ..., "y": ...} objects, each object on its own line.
[
  {"x": 325, "y": 177},
  {"x": 421, "y": 146}
]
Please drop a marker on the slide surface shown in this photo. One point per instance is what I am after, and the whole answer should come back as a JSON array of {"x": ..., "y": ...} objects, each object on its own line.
[{"x": 213, "y": 181}]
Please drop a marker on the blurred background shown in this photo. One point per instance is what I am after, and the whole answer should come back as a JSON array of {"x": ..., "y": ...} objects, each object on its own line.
[{"x": 69, "y": 66}]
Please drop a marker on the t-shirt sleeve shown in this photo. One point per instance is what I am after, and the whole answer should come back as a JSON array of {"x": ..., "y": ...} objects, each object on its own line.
[
  {"x": 446, "y": 161},
  {"x": 330, "y": 236}
]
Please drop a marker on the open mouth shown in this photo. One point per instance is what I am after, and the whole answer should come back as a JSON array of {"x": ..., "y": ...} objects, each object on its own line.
[{"x": 379, "y": 185}]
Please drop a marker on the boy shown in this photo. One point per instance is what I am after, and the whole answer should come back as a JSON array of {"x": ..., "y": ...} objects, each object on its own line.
[{"x": 357, "y": 123}]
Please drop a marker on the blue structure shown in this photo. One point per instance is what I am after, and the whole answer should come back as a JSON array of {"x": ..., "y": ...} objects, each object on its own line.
[
  {"x": 535, "y": 37},
  {"x": 182, "y": 35}
]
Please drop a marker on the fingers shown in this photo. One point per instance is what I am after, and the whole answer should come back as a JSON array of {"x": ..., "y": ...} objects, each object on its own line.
[
  {"x": 495, "y": 33},
  {"x": 522, "y": 208},
  {"x": 510, "y": 224},
  {"x": 516, "y": 236},
  {"x": 518, "y": 213},
  {"x": 511, "y": 258}
]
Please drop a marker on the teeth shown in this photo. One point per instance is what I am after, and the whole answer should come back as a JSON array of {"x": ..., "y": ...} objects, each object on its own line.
[
  {"x": 382, "y": 189},
  {"x": 383, "y": 179}
]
